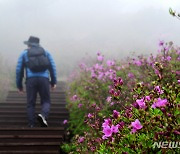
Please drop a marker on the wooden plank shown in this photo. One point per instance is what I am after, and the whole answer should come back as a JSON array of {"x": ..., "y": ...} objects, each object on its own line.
[
  {"x": 52, "y": 93},
  {"x": 24, "y": 112},
  {"x": 30, "y": 138},
  {"x": 32, "y": 131},
  {"x": 15, "y": 103},
  {"x": 30, "y": 146},
  {"x": 24, "y": 117},
  {"x": 38, "y": 107},
  {"x": 29, "y": 152},
  {"x": 18, "y": 124}
]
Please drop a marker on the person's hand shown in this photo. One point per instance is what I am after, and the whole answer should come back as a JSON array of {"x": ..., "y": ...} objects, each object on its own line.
[
  {"x": 53, "y": 87},
  {"x": 20, "y": 91}
]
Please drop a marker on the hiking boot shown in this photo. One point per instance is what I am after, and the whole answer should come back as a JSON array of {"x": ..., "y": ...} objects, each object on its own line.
[{"x": 42, "y": 120}]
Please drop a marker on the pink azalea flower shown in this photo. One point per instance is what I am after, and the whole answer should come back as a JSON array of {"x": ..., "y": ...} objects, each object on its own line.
[
  {"x": 118, "y": 82},
  {"x": 133, "y": 130},
  {"x": 136, "y": 126},
  {"x": 116, "y": 114},
  {"x": 107, "y": 131},
  {"x": 118, "y": 68},
  {"x": 65, "y": 122},
  {"x": 135, "y": 104},
  {"x": 158, "y": 90},
  {"x": 90, "y": 115},
  {"x": 166, "y": 49},
  {"x": 81, "y": 139},
  {"x": 156, "y": 71},
  {"x": 137, "y": 62},
  {"x": 179, "y": 81},
  {"x": 110, "y": 63},
  {"x": 109, "y": 98},
  {"x": 141, "y": 103},
  {"x": 98, "y": 53},
  {"x": 100, "y": 58},
  {"x": 112, "y": 103},
  {"x": 121, "y": 124},
  {"x": 74, "y": 98},
  {"x": 178, "y": 72},
  {"x": 80, "y": 105},
  {"x": 161, "y": 43},
  {"x": 168, "y": 58},
  {"x": 104, "y": 137},
  {"x": 159, "y": 103},
  {"x": 178, "y": 52},
  {"x": 106, "y": 123},
  {"x": 115, "y": 129},
  {"x": 147, "y": 98},
  {"x": 96, "y": 66},
  {"x": 82, "y": 66},
  {"x": 130, "y": 75},
  {"x": 159, "y": 50},
  {"x": 112, "y": 91},
  {"x": 100, "y": 76},
  {"x": 93, "y": 75}
]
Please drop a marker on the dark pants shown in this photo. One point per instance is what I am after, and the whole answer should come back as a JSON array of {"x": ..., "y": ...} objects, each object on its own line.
[{"x": 33, "y": 86}]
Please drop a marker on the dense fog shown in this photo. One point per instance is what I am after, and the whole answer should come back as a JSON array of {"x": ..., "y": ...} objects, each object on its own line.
[{"x": 73, "y": 29}]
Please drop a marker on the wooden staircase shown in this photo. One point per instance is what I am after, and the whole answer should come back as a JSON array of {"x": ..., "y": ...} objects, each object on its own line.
[{"x": 17, "y": 138}]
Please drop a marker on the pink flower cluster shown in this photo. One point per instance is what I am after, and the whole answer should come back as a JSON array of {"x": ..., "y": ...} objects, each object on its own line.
[
  {"x": 65, "y": 121},
  {"x": 136, "y": 125},
  {"x": 141, "y": 103},
  {"x": 109, "y": 129},
  {"x": 116, "y": 114},
  {"x": 137, "y": 62},
  {"x": 118, "y": 82},
  {"x": 81, "y": 139},
  {"x": 159, "y": 103},
  {"x": 74, "y": 98},
  {"x": 100, "y": 71},
  {"x": 158, "y": 90},
  {"x": 110, "y": 63},
  {"x": 100, "y": 57},
  {"x": 130, "y": 75}
]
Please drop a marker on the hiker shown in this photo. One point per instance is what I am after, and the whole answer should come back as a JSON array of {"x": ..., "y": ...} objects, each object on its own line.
[{"x": 38, "y": 65}]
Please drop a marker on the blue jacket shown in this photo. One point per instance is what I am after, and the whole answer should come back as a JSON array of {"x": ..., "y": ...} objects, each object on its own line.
[{"x": 23, "y": 59}]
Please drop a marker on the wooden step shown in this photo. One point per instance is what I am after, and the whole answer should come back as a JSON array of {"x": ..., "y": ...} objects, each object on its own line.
[
  {"x": 15, "y": 103},
  {"x": 24, "y": 102},
  {"x": 23, "y": 123},
  {"x": 37, "y": 101},
  {"x": 24, "y": 112},
  {"x": 32, "y": 131},
  {"x": 61, "y": 93},
  {"x": 29, "y": 152},
  {"x": 29, "y": 146},
  {"x": 52, "y": 92},
  {"x": 38, "y": 108},
  {"x": 30, "y": 138},
  {"x": 24, "y": 117}
]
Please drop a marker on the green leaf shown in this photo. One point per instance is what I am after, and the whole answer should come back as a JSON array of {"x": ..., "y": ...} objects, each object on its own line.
[
  {"x": 177, "y": 112},
  {"x": 157, "y": 112}
]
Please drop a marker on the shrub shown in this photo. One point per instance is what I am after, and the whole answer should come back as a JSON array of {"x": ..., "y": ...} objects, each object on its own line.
[{"x": 124, "y": 107}]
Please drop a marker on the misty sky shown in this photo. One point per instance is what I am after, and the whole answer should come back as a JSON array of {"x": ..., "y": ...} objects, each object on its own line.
[{"x": 70, "y": 29}]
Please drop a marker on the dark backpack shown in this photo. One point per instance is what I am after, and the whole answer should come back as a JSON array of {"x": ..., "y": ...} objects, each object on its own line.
[{"x": 37, "y": 60}]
